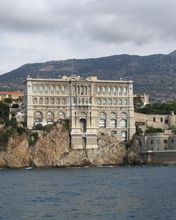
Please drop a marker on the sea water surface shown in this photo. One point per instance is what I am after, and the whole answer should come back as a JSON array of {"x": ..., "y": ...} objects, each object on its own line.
[{"x": 88, "y": 193}]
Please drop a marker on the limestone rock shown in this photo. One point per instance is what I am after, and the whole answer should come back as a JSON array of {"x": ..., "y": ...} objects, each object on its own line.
[{"x": 53, "y": 150}]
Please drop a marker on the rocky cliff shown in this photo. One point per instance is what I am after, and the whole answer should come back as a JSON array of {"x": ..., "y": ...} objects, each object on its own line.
[{"x": 53, "y": 150}]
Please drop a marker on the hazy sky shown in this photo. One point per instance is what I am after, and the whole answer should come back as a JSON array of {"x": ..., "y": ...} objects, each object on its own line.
[{"x": 43, "y": 30}]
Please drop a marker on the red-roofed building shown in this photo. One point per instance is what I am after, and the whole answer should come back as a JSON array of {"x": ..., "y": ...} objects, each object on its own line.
[{"x": 13, "y": 95}]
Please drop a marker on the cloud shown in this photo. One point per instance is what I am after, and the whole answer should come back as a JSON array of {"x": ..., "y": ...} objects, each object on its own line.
[{"x": 37, "y": 30}]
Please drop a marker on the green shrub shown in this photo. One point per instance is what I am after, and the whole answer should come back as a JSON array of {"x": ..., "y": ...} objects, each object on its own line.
[
  {"x": 12, "y": 123},
  {"x": 4, "y": 137},
  {"x": 66, "y": 124},
  {"x": 15, "y": 106},
  {"x": 38, "y": 126},
  {"x": 33, "y": 138},
  {"x": 150, "y": 130},
  {"x": 21, "y": 130},
  {"x": 4, "y": 111},
  {"x": 139, "y": 131},
  {"x": 48, "y": 128},
  {"x": 158, "y": 108}
]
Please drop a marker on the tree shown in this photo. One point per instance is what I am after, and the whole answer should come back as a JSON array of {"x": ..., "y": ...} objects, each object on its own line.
[{"x": 4, "y": 111}]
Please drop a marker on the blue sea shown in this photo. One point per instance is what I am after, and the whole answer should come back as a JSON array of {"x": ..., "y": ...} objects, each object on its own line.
[{"x": 142, "y": 193}]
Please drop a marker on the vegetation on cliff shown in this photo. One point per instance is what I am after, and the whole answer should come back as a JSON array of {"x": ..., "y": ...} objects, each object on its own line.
[
  {"x": 157, "y": 108},
  {"x": 52, "y": 149}
]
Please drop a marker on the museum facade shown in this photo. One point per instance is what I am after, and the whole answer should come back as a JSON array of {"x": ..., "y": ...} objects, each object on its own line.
[{"x": 93, "y": 106}]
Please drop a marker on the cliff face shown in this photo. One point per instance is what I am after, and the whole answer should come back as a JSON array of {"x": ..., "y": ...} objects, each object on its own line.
[{"x": 53, "y": 150}]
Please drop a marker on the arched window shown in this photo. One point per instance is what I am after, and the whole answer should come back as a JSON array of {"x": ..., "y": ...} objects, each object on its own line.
[
  {"x": 124, "y": 135},
  {"x": 38, "y": 116},
  {"x": 34, "y": 100},
  {"x": 102, "y": 120},
  {"x": 123, "y": 123},
  {"x": 57, "y": 89},
  {"x": 98, "y": 101},
  {"x": 125, "y": 101},
  {"x": 102, "y": 123},
  {"x": 113, "y": 115},
  {"x": 83, "y": 125},
  {"x": 114, "y": 101},
  {"x": 89, "y": 89},
  {"x": 40, "y": 88},
  {"x": 61, "y": 115},
  {"x": 86, "y": 90},
  {"x": 98, "y": 89},
  {"x": 124, "y": 115},
  {"x": 58, "y": 101},
  {"x": 78, "y": 88},
  {"x": 102, "y": 115},
  {"x": 63, "y": 89},
  {"x": 109, "y": 101},
  {"x": 74, "y": 89},
  {"x": 46, "y": 89},
  {"x": 120, "y": 91},
  {"x": 41, "y": 101},
  {"x": 49, "y": 117},
  {"x": 74, "y": 101},
  {"x": 109, "y": 89},
  {"x": 52, "y": 101},
  {"x": 103, "y": 89},
  {"x": 46, "y": 101},
  {"x": 104, "y": 101},
  {"x": 113, "y": 120},
  {"x": 113, "y": 133},
  {"x": 63, "y": 101},
  {"x": 120, "y": 101},
  {"x": 52, "y": 89},
  {"x": 113, "y": 123},
  {"x": 34, "y": 88},
  {"x": 125, "y": 91},
  {"x": 79, "y": 101},
  {"x": 87, "y": 101},
  {"x": 82, "y": 90}
]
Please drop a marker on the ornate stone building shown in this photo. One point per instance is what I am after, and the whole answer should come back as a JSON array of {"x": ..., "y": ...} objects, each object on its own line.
[{"x": 92, "y": 106}]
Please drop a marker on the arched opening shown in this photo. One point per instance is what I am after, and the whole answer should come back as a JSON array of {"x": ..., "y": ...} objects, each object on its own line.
[
  {"x": 113, "y": 133},
  {"x": 113, "y": 123},
  {"x": 38, "y": 118},
  {"x": 123, "y": 123},
  {"x": 124, "y": 135},
  {"x": 50, "y": 118},
  {"x": 35, "y": 101},
  {"x": 83, "y": 125},
  {"x": 102, "y": 123}
]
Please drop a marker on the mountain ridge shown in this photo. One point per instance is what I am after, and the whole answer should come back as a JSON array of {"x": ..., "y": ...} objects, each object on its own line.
[{"x": 148, "y": 72}]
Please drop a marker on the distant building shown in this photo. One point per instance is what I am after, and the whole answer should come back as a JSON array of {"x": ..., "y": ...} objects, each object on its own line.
[
  {"x": 144, "y": 99},
  {"x": 155, "y": 120},
  {"x": 15, "y": 96},
  {"x": 92, "y": 106},
  {"x": 158, "y": 141}
]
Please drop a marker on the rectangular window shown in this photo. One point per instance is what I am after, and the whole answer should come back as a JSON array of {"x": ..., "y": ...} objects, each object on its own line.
[
  {"x": 154, "y": 119},
  {"x": 165, "y": 141},
  {"x": 161, "y": 119}
]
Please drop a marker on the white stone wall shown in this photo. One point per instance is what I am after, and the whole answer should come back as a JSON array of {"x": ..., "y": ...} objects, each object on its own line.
[{"x": 98, "y": 105}]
